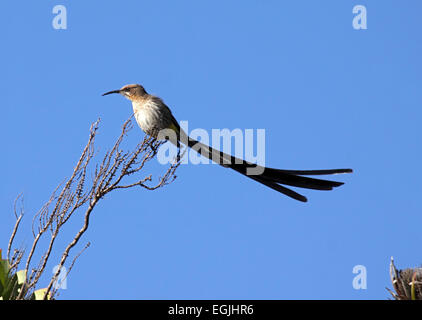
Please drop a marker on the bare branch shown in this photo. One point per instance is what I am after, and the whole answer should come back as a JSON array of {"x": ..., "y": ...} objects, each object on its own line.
[
  {"x": 15, "y": 228},
  {"x": 78, "y": 192}
]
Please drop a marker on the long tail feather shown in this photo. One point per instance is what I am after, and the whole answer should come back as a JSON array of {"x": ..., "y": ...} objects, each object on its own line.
[
  {"x": 298, "y": 181},
  {"x": 273, "y": 178},
  {"x": 279, "y": 188},
  {"x": 315, "y": 172}
]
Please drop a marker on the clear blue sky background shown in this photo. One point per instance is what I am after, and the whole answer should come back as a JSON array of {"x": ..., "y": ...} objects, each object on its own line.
[{"x": 328, "y": 96}]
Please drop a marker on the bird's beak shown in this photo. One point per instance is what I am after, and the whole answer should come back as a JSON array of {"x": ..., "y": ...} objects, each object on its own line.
[{"x": 110, "y": 92}]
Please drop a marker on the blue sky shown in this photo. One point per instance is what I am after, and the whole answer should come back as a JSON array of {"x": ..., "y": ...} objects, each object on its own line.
[{"x": 327, "y": 95}]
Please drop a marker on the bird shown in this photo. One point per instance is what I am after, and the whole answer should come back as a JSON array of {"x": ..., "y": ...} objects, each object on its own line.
[{"x": 154, "y": 116}]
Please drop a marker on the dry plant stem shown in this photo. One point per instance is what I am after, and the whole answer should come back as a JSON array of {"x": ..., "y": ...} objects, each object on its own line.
[
  {"x": 54, "y": 220},
  {"x": 54, "y": 290},
  {"x": 16, "y": 227},
  {"x": 407, "y": 283},
  {"x": 109, "y": 174},
  {"x": 393, "y": 278}
]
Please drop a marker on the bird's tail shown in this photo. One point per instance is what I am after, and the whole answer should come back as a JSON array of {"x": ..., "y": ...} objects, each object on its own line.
[{"x": 272, "y": 178}]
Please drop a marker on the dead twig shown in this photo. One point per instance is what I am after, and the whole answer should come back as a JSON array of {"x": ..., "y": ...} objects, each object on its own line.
[
  {"x": 77, "y": 193},
  {"x": 407, "y": 283}
]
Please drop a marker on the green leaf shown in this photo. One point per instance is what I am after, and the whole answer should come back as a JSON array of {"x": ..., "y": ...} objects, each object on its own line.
[
  {"x": 12, "y": 287},
  {"x": 4, "y": 271},
  {"x": 4, "y": 274}
]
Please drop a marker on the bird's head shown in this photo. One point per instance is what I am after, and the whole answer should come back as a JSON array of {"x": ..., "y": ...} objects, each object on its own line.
[{"x": 130, "y": 91}]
